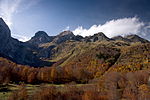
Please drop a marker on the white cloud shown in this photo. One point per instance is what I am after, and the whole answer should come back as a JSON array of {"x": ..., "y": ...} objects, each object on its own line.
[
  {"x": 9, "y": 7},
  {"x": 20, "y": 37},
  {"x": 117, "y": 27}
]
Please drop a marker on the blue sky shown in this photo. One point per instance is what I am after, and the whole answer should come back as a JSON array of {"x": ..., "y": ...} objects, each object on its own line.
[{"x": 25, "y": 17}]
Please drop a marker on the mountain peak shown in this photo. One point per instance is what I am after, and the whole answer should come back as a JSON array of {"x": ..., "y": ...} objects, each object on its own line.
[
  {"x": 2, "y": 22},
  {"x": 40, "y": 37},
  {"x": 97, "y": 37},
  {"x": 120, "y": 38},
  {"x": 136, "y": 38},
  {"x": 63, "y": 36},
  {"x": 40, "y": 33},
  {"x": 4, "y": 25},
  {"x": 65, "y": 33},
  {"x": 132, "y": 36},
  {"x": 100, "y": 34}
]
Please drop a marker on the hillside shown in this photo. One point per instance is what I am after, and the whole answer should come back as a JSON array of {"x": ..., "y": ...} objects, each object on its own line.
[
  {"x": 95, "y": 55},
  {"x": 107, "y": 69},
  {"x": 89, "y": 68}
]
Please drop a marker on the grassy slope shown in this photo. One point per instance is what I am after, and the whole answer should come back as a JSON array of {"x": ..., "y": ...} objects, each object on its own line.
[{"x": 77, "y": 52}]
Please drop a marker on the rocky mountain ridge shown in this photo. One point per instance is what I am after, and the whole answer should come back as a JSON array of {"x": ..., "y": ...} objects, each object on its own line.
[
  {"x": 68, "y": 35},
  {"x": 15, "y": 50},
  {"x": 42, "y": 47}
]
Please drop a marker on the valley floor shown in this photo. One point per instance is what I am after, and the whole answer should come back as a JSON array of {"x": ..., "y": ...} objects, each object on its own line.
[{"x": 8, "y": 90}]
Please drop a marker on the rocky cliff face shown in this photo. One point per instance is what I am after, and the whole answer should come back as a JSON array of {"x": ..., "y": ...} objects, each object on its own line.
[{"x": 5, "y": 35}]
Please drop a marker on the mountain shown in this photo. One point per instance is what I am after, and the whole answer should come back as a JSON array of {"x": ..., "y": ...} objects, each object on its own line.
[
  {"x": 44, "y": 50},
  {"x": 43, "y": 44},
  {"x": 40, "y": 37},
  {"x": 120, "y": 38},
  {"x": 136, "y": 38},
  {"x": 97, "y": 37},
  {"x": 5, "y": 35},
  {"x": 15, "y": 50},
  {"x": 63, "y": 36},
  {"x": 98, "y": 67},
  {"x": 130, "y": 38}
]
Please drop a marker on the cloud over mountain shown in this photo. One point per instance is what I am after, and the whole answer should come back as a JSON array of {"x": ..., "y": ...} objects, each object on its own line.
[{"x": 124, "y": 26}]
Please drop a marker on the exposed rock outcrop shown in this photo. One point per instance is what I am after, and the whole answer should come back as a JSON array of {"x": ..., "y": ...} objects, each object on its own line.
[
  {"x": 97, "y": 37},
  {"x": 63, "y": 36},
  {"x": 40, "y": 37}
]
